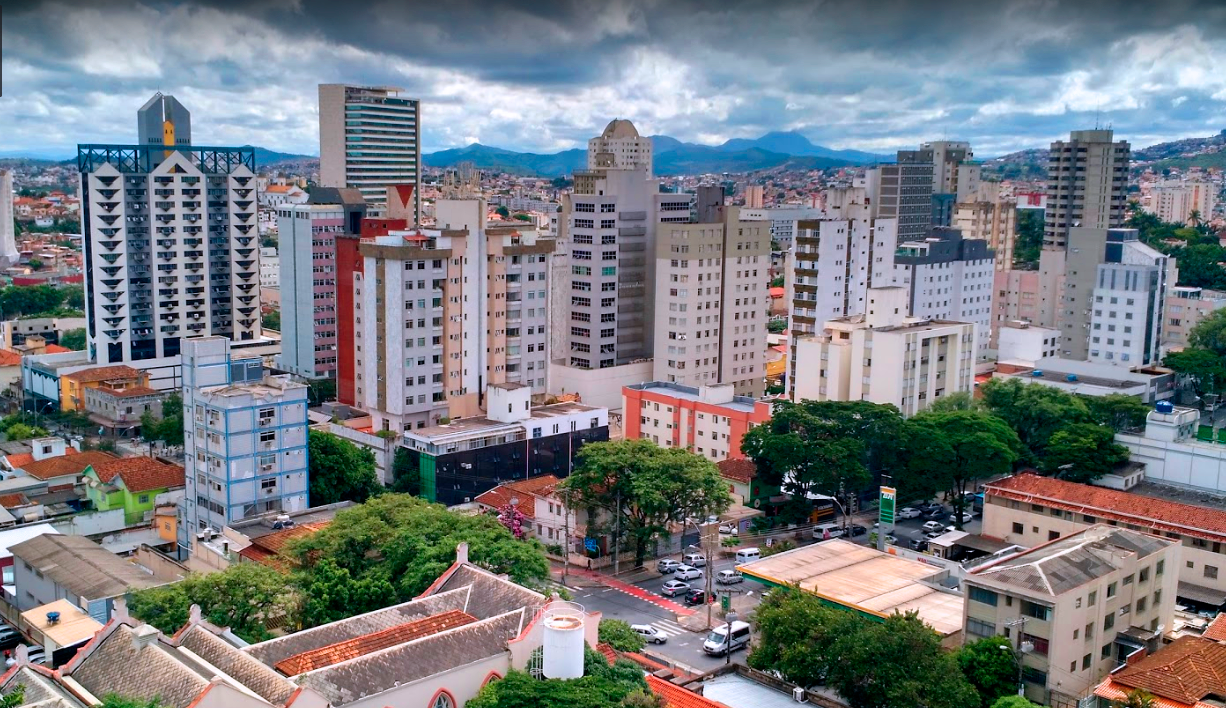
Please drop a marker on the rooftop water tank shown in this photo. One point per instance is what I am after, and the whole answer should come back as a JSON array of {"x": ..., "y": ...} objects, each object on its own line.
[
  {"x": 1164, "y": 407},
  {"x": 563, "y": 640}
]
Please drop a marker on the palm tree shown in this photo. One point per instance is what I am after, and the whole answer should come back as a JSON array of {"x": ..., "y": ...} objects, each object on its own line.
[
  {"x": 1194, "y": 218},
  {"x": 1136, "y": 698}
]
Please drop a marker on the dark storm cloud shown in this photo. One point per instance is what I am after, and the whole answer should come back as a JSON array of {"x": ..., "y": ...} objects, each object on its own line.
[{"x": 546, "y": 75}]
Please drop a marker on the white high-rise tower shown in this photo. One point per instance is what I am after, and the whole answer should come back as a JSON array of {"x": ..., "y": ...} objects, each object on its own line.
[{"x": 8, "y": 232}]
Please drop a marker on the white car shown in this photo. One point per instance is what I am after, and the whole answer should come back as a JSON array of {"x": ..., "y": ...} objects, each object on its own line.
[
  {"x": 930, "y": 526},
  {"x": 651, "y": 634},
  {"x": 966, "y": 517},
  {"x": 727, "y": 527},
  {"x": 687, "y": 572},
  {"x": 909, "y": 512}
]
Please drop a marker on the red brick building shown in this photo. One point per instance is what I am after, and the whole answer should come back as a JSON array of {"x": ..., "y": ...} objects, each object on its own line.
[{"x": 710, "y": 420}]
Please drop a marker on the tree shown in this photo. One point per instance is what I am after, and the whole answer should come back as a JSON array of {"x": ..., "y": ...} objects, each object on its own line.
[
  {"x": 618, "y": 635},
  {"x": 776, "y": 326},
  {"x": 74, "y": 297},
  {"x": 1117, "y": 411},
  {"x": 170, "y": 428},
  {"x": 647, "y": 486},
  {"x": 15, "y": 698},
  {"x": 602, "y": 686},
  {"x": 73, "y": 339},
  {"x": 503, "y": 212},
  {"x": 241, "y": 597},
  {"x": 321, "y": 390},
  {"x": 513, "y": 519},
  {"x": 1014, "y": 701},
  {"x": 409, "y": 542},
  {"x": 271, "y": 320},
  {"x": 330, "y": 593},
  {"x": 777, "y": 281},
  {"x": 1210, "y": 333},
  {"x": 406, "y": 479},
  {"x": 1029, "y": 239},
  {"x": 1203, "y": 369},
  {"x": 29, "y": 299},
  {"x": 963, "y": 446},
  {"x": 21, "y": 431},
  {"x": 1034, "y": 412},
  {"x": 960, "y": 401},
  {"x": 269, "y": 241},
  {"x": 114, "y": 700},
  {"x": 340, "y": 470},
  {"x": 990, "y": 669},
  {"x": 34, "y": 264},
  {"x": 796, "y": 635},
  {"x": 1136, "y": 698},
  {"x": 1089, "y": 452}
]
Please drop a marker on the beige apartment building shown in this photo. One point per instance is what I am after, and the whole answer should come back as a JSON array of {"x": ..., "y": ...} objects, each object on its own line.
[
  {"x": 1016, "y": 300},
  {"x": 712, "y": 283},
  {"x": 1185, "y": 308},
  {"x": 884, "y": 356},
  {"x": 1175, "y": 201},
  {"x": 1028, "y": 510},
  {"x": 991, "y": 221},
  {"x": 1076, "y": 606}
]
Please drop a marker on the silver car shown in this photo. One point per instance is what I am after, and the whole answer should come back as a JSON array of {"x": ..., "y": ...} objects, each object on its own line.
[
  {"x": 674, "y": 588},
  {"x": 651, "y": 634},
  {"x": 687, "y": 572}
]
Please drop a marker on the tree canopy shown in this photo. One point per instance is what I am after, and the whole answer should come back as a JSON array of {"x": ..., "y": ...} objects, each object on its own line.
[
  {"x": 240, "y": 597},
  {"x": 340, "y": 470},
  {"x": 602, "y": 686},
  {"x": 959, "y": 447},
  {"x": 648, "y": 486},
  {"x": 1082, "y": 452},
  {"x": 74, "y": 339},
  {"x": 618, "y": 635},
  {"x": 990, "y": 669},
  {"x": 170, "y": 427}
]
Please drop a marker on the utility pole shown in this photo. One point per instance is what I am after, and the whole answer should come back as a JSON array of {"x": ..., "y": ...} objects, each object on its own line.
[
  {"x": 565, "y": 535},
  {"x": 710, "y": 564},
  {"x": 1020, "y": 651},
  {"x": 617, "y": 534}
]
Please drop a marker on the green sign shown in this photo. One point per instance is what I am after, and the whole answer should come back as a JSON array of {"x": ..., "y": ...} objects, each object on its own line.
[
  {"x": 725, "y": 602},
  {"x": 885, "y": 510}
]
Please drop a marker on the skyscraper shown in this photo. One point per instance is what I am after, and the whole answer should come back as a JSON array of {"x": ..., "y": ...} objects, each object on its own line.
[
  {"x": 163, "y": 121},
  {"x": 8, "y": 235},
  {"x": 369, "y": 139},
  {"x": 171, "y": 247},
  {"x": 921, "y": 188},
  {"x": 1087, "y": 183}
]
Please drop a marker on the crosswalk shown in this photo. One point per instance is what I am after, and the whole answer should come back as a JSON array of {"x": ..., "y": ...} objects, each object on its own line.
[{"x": 669, "y": 628}]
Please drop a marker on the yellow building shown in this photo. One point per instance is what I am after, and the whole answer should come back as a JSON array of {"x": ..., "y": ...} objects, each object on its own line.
[{"x": 117, "y": 378}]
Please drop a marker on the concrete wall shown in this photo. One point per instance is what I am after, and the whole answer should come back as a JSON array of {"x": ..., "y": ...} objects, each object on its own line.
[
  {"x": 598, "y": 387},
  {"x": 91, "y": 524}
]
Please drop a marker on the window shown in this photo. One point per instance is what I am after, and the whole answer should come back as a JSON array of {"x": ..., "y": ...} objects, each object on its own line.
[
  {"x": 1035, "y": 610},
  {"x": 1085, "y": 662},
  {"x": 1053, "y": 535},
  {"x": 1111, "y": 590},
  {"x": 1093, "y": 597},
  {"x": 269, "y": 483},
  {"x": 144, "y": 499},
  {"x": 443, "y": 700},
  {"x": 1040, "y": 644},
  {"x": 1211, "y": 571},
  {"x": 1141, "y": 604},
  {"x": 1033, "y": 675},
  {"x": 1129, "y": 578},
  {"x": 987, "y": 597},
  {"x": 1144, "y": 574},
  {"x": 1108, "y": 622},
  {"x": 1106, "y": 652},
  {"x": 268, "y": 435},
  {"x": 980, "y": 628},
  {"x": 1018, "y": 528},
  {"x": 1161, "y": 566}
]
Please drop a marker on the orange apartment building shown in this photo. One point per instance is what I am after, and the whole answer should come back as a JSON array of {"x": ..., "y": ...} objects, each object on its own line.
[{"x": 709, "y": 420}]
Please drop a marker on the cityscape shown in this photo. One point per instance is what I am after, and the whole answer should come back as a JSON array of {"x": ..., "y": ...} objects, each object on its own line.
[{"x": 593, "y": 372}]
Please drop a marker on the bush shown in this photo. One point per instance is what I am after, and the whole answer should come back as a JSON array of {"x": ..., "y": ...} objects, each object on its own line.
[{"x": 618, "y": 635}]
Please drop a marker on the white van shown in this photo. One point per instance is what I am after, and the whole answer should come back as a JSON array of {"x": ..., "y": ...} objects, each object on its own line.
[
  {"x": 747, "y": 554},
  {"x": 728, "y": 577},
  {"x": 819, "y": 531},
  {"x": 724, "y": 639}
]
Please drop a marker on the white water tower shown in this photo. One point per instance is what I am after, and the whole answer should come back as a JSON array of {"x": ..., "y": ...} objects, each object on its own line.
[{"x": 562, "y": 644}]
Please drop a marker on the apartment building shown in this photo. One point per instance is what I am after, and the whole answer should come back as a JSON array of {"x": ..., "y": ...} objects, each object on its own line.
[
  {"x": 369, "y": 140},
  {"x": 1185, "y": 308},
  {"x": 832, "y": 266},
  {"x": 8, "y": 231},
  {"x": 1076, "y": 606},
  {"x": 1027, "y": 509},
  {"x": 783, "y": 221},
  {"x": 1087, "y": 185},
  {"x": 171, "y": 249},
  {"x": 708, "y": 420},
  {"x": 992, "y": 221},
  {"x": 712, "y": 282},
  {"x": 620, "y": 147},
  {"x": 906, "y": 190},
  {"x": 953, "y": 172},
  {"x": 245, "y": 441},
  {"x": 1129, "y": 295},
  {"x": 949, "y": 277},
  {"x": 307, "y": 235},
  {"x": 884, "y": 356},
  {"x": 1175, "y": 201},
  {"x": 452, "y": 311}
]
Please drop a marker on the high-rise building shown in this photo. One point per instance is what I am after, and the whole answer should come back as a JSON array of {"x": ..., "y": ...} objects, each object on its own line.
[
  {"x": 1015, "y": 299},
  {"x": 753, "y": 196},
  {"x": 307, "y": 234},
  {"x": 948, "y": 277},
  {"x": 1130, "y": 291},
  {"x": 992, "y": 221},
  {"x": 620, "y": 147},
  {"x": 369, "y": 139},
  {"x": 906, "y": 190},
  {"x": 1087, "y": 183},
  {"x": 8, "y": 234},
  {"x": 163, "y": 121},
  {"x": 1176, "y": 201},
  {"x": 171, "y": 246},
  {"x": 441, "y": 314},
  {"x": 244, "y": 440},
  {"x": 952, "y": 169},
  {"x": 1185, "y": 308},
  {"x": 832, "y": 266},
  {"x": 782, "y": 220},
  {"x": 712, "y": 279}
]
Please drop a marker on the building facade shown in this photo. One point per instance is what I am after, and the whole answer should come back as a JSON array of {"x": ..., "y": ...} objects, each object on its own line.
[
  {"x": 709, "y": 420},
  {"x": 369, "y": 139},
  {"x": 906, "y": 189},
  {"x": 8, "y": 234},
  {"x": 1185, "y": 308},
  {"x": 171, "y": 250},
  {"x": 783, "y": 221},
  {"x": 1126, "y": 327},
  {"x": 244, "y": 440},
  {"x": 1015, "y": 299},
  {"x": 1176, "y": 201},
  {"x": 991, "y": 221}
]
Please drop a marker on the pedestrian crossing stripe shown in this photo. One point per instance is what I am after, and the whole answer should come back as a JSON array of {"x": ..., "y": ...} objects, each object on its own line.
[{"x": 669, "y": 628}]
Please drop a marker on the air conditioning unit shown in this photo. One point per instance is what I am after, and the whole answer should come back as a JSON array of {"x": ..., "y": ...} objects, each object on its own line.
[{"x": 798, "y": 694}]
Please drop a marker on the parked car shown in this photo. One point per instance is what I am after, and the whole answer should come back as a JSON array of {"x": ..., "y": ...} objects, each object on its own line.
[
  {"x": 824, "y": 531},
  {"x": 748, "y": 555},
  {"x": 909, "y": 512},
  {"x": 649, "y": 633},
  {"x": 9, "y": 637},
  {"x": 918, "y": 544},
  {"x": 966, "y": 517},
  {"x": 935, "y": 534},
  {"x": 727, "y": 527},
  {"x": 674, "y": 588},
  {"x": 697, "y": 596},
  {"x": 727, "y": 638},
  {"x": 856, "y": 530},
  {"x": 668, "y": 565},
  {"x": 687, "y": 572},
  {"x": 935, "y": 512},
  {"x": 728, "y": 577},
  {"x": 932, "y": 526}
]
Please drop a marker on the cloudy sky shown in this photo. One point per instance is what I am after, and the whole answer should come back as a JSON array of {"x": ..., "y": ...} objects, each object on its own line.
[{"x": 546, "y": 75}]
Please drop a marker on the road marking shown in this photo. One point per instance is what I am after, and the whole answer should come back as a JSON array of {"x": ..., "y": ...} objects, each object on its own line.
[{"x": 607, "y": 589}]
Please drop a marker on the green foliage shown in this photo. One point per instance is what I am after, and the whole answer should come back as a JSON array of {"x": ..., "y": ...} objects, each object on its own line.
[
  {"x": 1090, "y": 449},
  {"x": 1034, "y": 411},
  {"x": 340, "y": 470},
  {"x": 960, "y": 401},
  {"x": 777, "y": 281},
  {"x": 1117, "y": 411},
  {"x": 74, "y": 339},
  {"x": 648, "y": 486},
  {"x": 240, "y": 597},
  {"x": 18, "y": 300},
  {"x": 15, "y": 698},
  {"x": 959, "y": 447},
  {"x": 796, "y": 635},
  {"x": 503, "y": 212},
  {"x": 618, "y": 635},
  {"x": 1136, "y": 698},
  {"x": 602, "y": 686},
  {"x": 21, "y": 431},
  {"x": 34, "y": 264},
  {"x": 321, "y": 390},
  {"x": 1029, "y": 239},
  {"x": 170, "y": 428},
  {"x": 271, "y": 320},
  {"x": 522, "y": 217},
  {"x": 408, "y": 542},
  {"x": 1210, "y": 333},
  {"x": 990, "y": 669},
  {"x": 776, "y": 326},
  {"x": 330, "y": 593},
  {"x": 1203, "y": 369},
  {"x": 114, "y": 700},
  {"x": 269, "y": 241},
  {"x": 74, "y": 297},
  {"x": 406, "y": 478},
  {"x": 1014, "y": 701}
]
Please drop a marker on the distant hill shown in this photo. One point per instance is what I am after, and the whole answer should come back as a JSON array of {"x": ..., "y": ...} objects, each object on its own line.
[
  {"x": 521, "y": 163},
  {"x": 264, "y": 157},
  {"x": 1021, "y": 165},
  {"x": 793, "y": 143}
]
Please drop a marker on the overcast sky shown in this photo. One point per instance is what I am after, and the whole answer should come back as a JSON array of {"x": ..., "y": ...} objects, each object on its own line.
[{"x": 547, "y": 75}]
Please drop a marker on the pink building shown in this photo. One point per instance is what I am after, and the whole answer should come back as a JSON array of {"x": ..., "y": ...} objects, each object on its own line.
[{"x": 1016, "y": 298}]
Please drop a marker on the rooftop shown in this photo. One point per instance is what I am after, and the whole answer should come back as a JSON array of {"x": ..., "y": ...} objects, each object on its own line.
[
  {"x": 66, "y": 464},
  {"x": 370, "y": 643},
  {"x": 864, "y": 579},
  {"x": 73, "y": 626},
  {"x": 103, "y": 373},
  {"x": 694, "y": 393},
  {"x": 524, "y": 490},
  {"x": 742, "y": 470},
  {"x": 1185, "y": 673},
  {"x": 1154, "y": 514},
  {"x": 82, "y": 567},
  {"x": 267, "y": 549},
  {"x": 1069, "y": 563},
  {"x": 140, "y": 474}
]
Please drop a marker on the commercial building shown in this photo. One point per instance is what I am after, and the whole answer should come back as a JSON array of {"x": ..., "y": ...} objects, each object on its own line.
[
  {"x": 1130, "y": 292},
  {"x": 1178, "y": 202},
  {"x": 1178, "y": 451},
  {"x": 832, "y": 266},
  {"x": 949, "y": 277},
  {"x": 307, "y": 235},
  {"x": 992, "y": 221},
  {"x": 1028, "y": 510},
  {"x": 459, "y": 460},
  {"x": 1081, "y": 602},
  {"x": 1090, "y": 378},
  {"x": 1016, "y": 299},
  {"x": 884, "y": 356},
  {"x": 1185, "y": 307},
  {"x": 866, "y": 581},
  {"x": 171, "y": 250},
  {"x": 1087, "y": 183},
  {"x": 8, "y": 234},
  {"x": 709, "y": 420},
  {"x": 369, "y": 140},
  {"x": 712, "y": 280},
  {"x": 245, "y": 440}
]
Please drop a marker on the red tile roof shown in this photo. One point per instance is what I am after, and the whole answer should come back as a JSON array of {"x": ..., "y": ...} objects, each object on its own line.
[
  {"x": 65, "y": 464},
  {"x": 8, "y": 357},
  {"x": 55, "y": 349},
  {"x": 1216, "y": 629},
  {"x": 102, "y": 373},
  {"x": 526, "y": 490},
  {"x": 1184, "y": 672},
  {"x": 140, "y": 474},
  {"x": 1149, "y": 513},
  {"x": 8, "y": 501},
  {"x": 361, "y": 646},
  {"x": 267, "y": 550},
  {"x": 22, "y": 458},
  {"x": 677, "y": 697},
  {"x": 738, "y": 470}
]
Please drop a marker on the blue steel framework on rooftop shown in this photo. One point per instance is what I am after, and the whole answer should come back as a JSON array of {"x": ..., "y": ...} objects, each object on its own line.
[{"x": 138, "y": 158}]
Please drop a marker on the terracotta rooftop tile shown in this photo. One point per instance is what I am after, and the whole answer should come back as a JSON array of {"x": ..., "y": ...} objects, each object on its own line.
[
  {"x": 677, "y": 697},
  {"x": 738, "y": 470},
  {"x": 65, "y": 464},
  {"x": 361, "y": 646},
  {"x": 140, "y": 474},
  {"x": 1185, "y": 671},
  {"x": 8, "y": 501},
  {"x": 525, "y": 489},
  {"x": 8, "y": 357},
  {"x": 20, "y": 459},
  {"x": 1158, "y": 515},
  {"x": 1216, "y": 630},
  {"x": 101, "y": 373}
]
